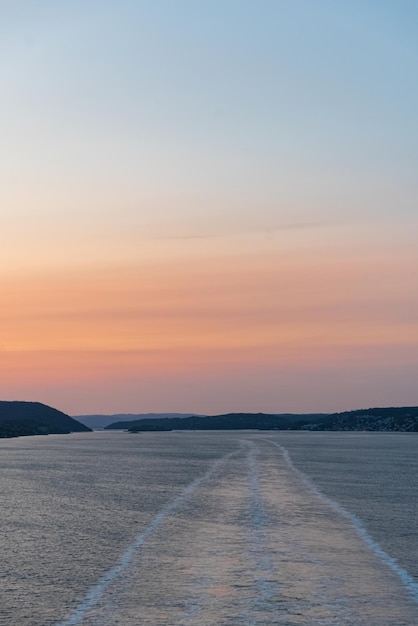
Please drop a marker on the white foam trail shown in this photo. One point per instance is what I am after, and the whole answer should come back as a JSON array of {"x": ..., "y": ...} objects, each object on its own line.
[
  {"x": 93, "y": 595},
  {"x": 406, "y": 579},
  {"x": 257, "y": 511},
  {"x": 263, "y": 572}
]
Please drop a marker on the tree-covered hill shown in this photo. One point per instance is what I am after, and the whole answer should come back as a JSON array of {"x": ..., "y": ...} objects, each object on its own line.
[
  {"x": 34, "y": 418},
  {"x": 99, "y": 421},
  {"x": 404, "y": 419},
  {"x": 229, "y": 421}
]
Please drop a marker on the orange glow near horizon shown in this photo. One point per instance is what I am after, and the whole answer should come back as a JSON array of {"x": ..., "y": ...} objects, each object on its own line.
[{"x": 180, "y": 319}]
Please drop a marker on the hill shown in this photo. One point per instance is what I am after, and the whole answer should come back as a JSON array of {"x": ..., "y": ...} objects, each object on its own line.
[
  {"x": 229, "y": 421},
  {"x": 101, "y": 421},
  {"x": 404, "y": 419},
  {"x": 34, "y": 418}
]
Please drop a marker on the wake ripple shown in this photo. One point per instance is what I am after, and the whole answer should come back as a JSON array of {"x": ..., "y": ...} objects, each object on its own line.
[
  {"x": 94, "y": 594},
  {"x": 265, "y": 579},
  {"x": 406, "y": 579}
]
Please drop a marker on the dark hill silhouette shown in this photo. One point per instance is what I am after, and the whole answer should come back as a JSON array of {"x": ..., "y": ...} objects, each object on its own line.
[
  {"x": 101, "y": 421},
  {"x": 403, "y": 419},
  {"x": 35, "y": 418},
  {"x": 229, "y": 421}
]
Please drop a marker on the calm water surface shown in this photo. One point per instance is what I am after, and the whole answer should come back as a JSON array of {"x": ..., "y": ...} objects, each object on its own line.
[{"x": 199, "y": 529}]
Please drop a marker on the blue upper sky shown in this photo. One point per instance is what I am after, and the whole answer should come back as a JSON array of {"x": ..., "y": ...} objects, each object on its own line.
[{"x": 310, "y": 105}]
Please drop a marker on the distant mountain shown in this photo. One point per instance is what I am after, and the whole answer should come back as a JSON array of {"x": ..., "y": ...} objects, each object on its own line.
[
  {"x": 101, "y": 421},
  {"x": 404, "y": 419},
  {"x": 34, "y": 418},
  {"x": 229, "y": 421}
]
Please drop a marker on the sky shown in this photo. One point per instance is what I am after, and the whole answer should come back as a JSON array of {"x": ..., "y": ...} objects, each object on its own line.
[{"x": 209, "y": 206}]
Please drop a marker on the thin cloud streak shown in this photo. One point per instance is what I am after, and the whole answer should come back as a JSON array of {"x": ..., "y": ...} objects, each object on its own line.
[{"x": 286, "y": 227}]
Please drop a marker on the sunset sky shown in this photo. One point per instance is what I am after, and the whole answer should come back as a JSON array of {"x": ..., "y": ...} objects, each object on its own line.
[{"x": 209, "y": 205}]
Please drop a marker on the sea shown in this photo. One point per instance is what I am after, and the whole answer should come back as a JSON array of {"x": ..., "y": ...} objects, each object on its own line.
[{"x": 209, "y": 528}]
